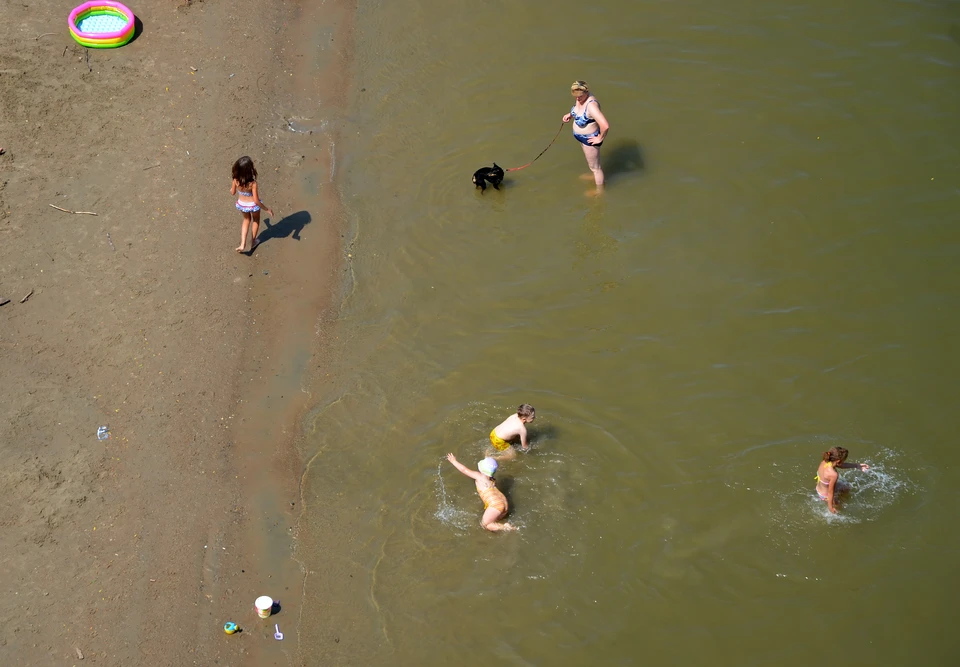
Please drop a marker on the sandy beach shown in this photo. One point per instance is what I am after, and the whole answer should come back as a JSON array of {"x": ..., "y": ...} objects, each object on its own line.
[{"x": 137, "y": 548}]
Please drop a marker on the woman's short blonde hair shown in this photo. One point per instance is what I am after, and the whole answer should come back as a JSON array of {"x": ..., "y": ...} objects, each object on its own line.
[{"x": 579, "y": 87}]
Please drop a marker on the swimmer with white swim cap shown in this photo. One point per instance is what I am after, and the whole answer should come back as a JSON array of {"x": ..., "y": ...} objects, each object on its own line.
[{"x": 494, "y": 502}]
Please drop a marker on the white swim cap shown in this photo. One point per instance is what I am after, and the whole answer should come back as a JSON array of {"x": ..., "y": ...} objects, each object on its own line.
[{"x": 488, "y": 466}]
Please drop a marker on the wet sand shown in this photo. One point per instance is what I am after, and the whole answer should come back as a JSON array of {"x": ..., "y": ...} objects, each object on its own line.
[{"x": 136, "y": 549}]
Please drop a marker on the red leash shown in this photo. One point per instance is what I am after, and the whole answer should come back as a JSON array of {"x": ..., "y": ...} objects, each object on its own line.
[{"x": 541, "y": 152}]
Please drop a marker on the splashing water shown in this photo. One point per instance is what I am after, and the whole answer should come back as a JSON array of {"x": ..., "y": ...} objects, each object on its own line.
[
  {"x": 873, "y": 490},
  {"x": 446, "y": 512},
  {"x": 870, "y": 493}
]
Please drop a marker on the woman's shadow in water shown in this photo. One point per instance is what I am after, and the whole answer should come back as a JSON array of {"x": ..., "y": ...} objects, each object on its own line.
[
  {"x": 624, "y": 156},
  {"x": 290, "y": 225}
]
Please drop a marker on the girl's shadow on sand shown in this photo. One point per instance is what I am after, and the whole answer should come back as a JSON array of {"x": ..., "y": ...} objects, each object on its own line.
[{"x": 290, "y": 225}]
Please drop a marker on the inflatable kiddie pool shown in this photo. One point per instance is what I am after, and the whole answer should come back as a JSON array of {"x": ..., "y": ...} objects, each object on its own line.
[{"x": 101, "y": 24}]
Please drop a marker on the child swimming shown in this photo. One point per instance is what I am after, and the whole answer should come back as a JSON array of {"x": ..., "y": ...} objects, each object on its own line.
[
  {"x": 494, "y": 502},
  {"x": 829, "y": 484},
  {"x": 513, "y": 427}
]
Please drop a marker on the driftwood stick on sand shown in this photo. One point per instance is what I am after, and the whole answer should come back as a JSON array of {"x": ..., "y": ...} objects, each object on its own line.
[
  {"x": 69, "y": 211},
  {"x": 43, "y": 35},
  {"x": 64, "y": 51},
  {"x": 24, "y": 299}
]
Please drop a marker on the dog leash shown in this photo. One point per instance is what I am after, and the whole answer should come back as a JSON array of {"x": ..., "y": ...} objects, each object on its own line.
[{"x": 541, "y": 152}]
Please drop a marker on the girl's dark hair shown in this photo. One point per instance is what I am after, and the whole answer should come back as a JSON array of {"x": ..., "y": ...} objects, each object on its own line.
[
  {"x": 243, "y": 171},
  {"x": 835, "y": 454}
]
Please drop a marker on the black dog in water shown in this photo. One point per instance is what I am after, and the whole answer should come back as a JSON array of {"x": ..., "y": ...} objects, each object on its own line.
[{"x": 492, "y": 174}]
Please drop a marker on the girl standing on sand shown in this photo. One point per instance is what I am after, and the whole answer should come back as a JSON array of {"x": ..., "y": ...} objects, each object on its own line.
[
  {"x": 494, "y": 502},
  {"x": 829, "y": 484},
  {"x": 248, "y": 201}
]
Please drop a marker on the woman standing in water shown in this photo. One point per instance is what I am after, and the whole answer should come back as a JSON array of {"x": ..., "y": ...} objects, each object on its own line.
[
  {"x": 494, "y": 502},
  {"x": 829, "y": 484},
  {"x": 590, "y": 127}
]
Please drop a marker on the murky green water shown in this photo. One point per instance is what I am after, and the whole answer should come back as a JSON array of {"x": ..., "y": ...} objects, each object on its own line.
[{"x": 772, "y": 271}]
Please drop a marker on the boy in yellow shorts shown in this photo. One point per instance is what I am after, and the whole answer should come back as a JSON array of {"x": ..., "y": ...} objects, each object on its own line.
[{"x": 512, "y": 427}]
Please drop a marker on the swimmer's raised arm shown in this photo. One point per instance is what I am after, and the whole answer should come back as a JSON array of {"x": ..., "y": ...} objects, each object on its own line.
[
  {"x": 858, "y": 466},
  {"x": 474, "y": 474}
]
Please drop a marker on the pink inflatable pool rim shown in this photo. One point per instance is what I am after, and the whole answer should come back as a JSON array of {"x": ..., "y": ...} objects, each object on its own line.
[{"x": 100, "y": 36}]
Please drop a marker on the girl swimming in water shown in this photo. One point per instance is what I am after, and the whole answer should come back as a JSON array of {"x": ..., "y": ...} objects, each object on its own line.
[
  {"x": 494, "y": 502},
  {"x": 829, "y": 484}
]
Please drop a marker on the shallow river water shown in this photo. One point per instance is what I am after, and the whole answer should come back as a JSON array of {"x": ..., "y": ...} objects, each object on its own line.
[{"x": 772, "y": 271}]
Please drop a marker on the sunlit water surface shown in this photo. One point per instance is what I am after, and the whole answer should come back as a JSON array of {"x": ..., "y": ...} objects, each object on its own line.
[{"x": 771, "y": 272}]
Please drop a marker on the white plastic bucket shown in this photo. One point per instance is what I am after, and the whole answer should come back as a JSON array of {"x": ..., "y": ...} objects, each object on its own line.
[{"x": 264, "y": 605}]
